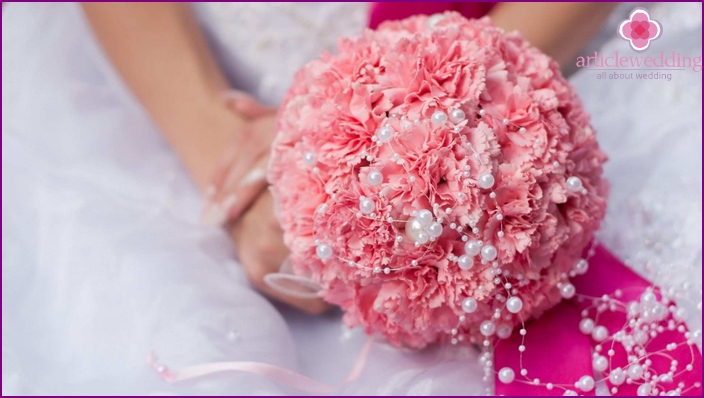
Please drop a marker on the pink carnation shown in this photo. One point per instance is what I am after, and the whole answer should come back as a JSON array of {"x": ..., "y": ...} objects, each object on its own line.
[{"x": 404, "y": 127}]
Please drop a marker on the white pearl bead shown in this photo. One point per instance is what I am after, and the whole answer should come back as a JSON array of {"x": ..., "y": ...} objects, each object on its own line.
[
  {"x": 644, "y": 390},
  {"x": 385, "y": 133},
  {"x": 489, "y": 252},
  {"x": 569, "y": 393},
  {"x": 435, "y": 230},
  {"x": 425, "y": 217},
  {"x": 486, "y": 181},
  {"x": 414, "y": 228},
  {"x": 487, "y": 328},
  {"x": 514, "y": 305},
  {"x": 600, "y": 333},
  {"x": 600, "y": 363},
  {"x": 504, "y": 331},
  {"x": 648, "y": 297},
  {"x": 506, "y": 375},
  {"x": 635, "y": 371},
  {"x": 469, "y": 305},
  {"x": 457, "y": 116},
  {"x": 324, "y": 251},
  {"x": 586, "y": 326},
  {"x": 482, "y": 112},
  {"x": 366, "y": 205},
  {"x": 438, "y": 118},
  {"x": 522, "y": 130},
  {"x": 659, "y": 312},
  {"x": 574, "y": 184},
  {"x": 680, "y": 314},
  {"x": 581, "y": 267},
  {"x": 473, "y": 247},
  {"x": 422, "y": 238},
  {"x": 406, "y": 125},
  {"x": 640, "y": 337},
  {"x": 309, "y": 159},
  {"x": 375, "y": 177},
  {"x": 567, "y": 291},
  {"x": 617, "y": 377},
  {"x": 465, "y": 262},
  {"x": 585, "y": 383}
]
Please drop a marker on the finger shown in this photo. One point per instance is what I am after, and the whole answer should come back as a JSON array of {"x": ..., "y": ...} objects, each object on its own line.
[
  {"x": 214, "y": 212},
  {"x": 244, "y": 178},
  {"x": 244, "y": 189},
  {"x": 239, "y": 179},
  {"x": 258, "y": 266},
  {"x": 246, "y": 105},
  {"x": 263, "y": 252}
]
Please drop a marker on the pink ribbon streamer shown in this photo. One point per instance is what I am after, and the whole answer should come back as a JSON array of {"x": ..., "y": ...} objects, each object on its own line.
[
  {"x": 277, "y": 374},
  {"x": 558, "y": 352}
]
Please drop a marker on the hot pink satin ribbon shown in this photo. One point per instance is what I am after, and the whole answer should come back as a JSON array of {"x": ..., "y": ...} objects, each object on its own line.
[
  {"x": 559, "y": 353},
  {"x": 383, "y": 11},
  {"x": 277, "y": 374}
]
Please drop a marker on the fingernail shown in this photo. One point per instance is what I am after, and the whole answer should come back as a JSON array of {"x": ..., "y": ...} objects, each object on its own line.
[
  {"x": 213, "y": 214},
  {"x": 228, "y": 203},
  {"x": 253, "y": 176}
]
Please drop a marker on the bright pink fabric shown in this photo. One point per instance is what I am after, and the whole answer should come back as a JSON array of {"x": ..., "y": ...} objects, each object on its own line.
[
  {"x": 606, "y": 274},
  {"x": 557, "y": 352},
  {"x": 385, "y": 11}
]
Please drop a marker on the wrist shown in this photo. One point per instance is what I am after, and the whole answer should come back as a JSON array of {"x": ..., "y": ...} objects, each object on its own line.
[{"x": 201, "y": 138}]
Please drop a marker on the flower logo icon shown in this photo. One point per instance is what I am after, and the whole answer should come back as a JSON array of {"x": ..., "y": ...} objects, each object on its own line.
[{"x": 639, "y": 29}]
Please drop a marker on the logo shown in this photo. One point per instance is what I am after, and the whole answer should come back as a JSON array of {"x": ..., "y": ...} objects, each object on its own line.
[{"x": 639, "y": 29}]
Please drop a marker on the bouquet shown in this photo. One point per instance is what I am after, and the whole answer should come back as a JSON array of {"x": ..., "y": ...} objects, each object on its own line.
[{"x": 439, "y": 179}]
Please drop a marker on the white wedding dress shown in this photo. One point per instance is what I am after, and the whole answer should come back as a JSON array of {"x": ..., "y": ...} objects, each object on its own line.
[{"x": 104, "y": 259}]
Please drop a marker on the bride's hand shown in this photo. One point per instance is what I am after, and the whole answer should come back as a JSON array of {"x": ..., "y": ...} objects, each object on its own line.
[
  {"x": 241, "y": 172},
  {"x": 262, "y": 251}
]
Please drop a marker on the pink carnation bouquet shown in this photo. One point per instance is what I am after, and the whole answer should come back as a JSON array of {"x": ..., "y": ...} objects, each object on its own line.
[{"x": 438, "y": 179}]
